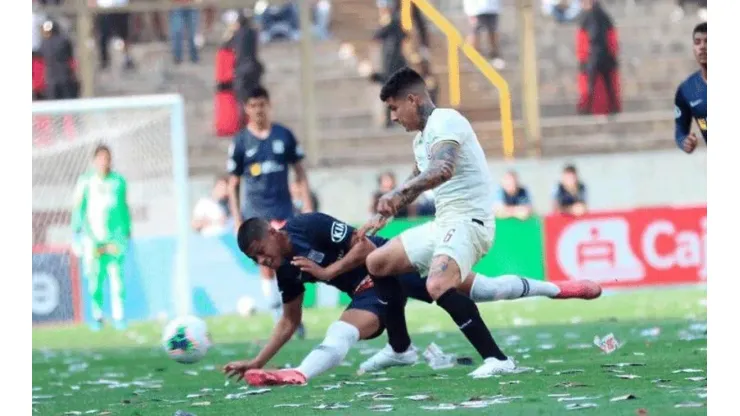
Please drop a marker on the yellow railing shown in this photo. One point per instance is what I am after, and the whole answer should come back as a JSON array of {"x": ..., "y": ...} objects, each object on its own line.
[{"x": 454, "y": 43}]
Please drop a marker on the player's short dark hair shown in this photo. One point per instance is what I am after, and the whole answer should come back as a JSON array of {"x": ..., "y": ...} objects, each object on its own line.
[
  {"x": 258, "y": 92},
  {"x": 700, "y": 28},
  {"x": 570, "y": 169},
  {"x": 100, "y": 149},
  {"x": 253, "y": 229},
  {"x": 400, "y": 83}
]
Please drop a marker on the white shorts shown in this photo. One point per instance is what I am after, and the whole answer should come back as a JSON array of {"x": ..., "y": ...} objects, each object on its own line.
[{"x": 465, "y": 241}]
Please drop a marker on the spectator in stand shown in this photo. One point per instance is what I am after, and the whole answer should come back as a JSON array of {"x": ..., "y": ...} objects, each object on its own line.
[
  {"x": 248, "y": 69},
  {"x": 277, "y": 22},
  {"x": 680, "y": 10},
  {"x": 483, "y": 16},
  {"x": 419, "y": 23},
  {"x": 184, "y": 26},
  {"x": 569, "y": 197},
  {"x": 37, "y": 62},
  {"x": 391, "y": 36},
  {"x": 563, "y": 11},
  {"x": 58, "y": 55},
  {"x": 138, "y": 26},
  {"x": 110, "y": 25},
  {"x": 601, "y": 62},
  {"x": 211, "y": 214},
  {"x": 321, "y": 19},
  {"x": 512, "y": 200}
]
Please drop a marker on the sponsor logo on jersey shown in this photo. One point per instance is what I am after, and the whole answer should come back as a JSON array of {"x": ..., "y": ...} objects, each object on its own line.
[
  {"x": 338, "y": 231},
  {"x": 257, "y": 169},
  {"x": 278, "y": 147}
]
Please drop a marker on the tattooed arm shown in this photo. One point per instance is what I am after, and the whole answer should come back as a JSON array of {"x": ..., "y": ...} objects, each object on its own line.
[{"x": 441, "y": 168}]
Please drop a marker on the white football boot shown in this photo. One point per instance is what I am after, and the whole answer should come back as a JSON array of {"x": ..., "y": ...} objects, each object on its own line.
[
  {"x": 493, "y": 366},
  {"x": 387, "y": 358}
]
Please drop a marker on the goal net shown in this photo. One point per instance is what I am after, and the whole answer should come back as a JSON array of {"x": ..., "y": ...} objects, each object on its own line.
[{"x": 146, "y": 136}]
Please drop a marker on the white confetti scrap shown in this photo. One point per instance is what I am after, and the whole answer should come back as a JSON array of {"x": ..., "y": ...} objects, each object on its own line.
[
  {"x": 579, "y": 406},
  {"x": 441, "y": 406},
  {"x": 689, "y": 404},
  {"x": 419, "y": 397}
]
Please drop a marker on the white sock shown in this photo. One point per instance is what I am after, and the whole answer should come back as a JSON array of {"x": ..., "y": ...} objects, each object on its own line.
[
  {"x": 340, "y": 337},
  {"x": 509, "y": 286},
  {"x": 116, "y": 292},
  {"x": 272, "y": 294}
]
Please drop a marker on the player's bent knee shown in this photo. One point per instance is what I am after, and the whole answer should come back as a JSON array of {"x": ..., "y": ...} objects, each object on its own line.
[
  {"x": 377, "y": 264},
  {"x": 438, "y": 286}
]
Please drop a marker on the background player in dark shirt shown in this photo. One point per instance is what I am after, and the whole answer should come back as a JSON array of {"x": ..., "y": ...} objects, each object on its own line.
[
  {"x": 317, "y": 247},
  {"x": 259, "y": 162},
  {"x": 691, "y": 96}
]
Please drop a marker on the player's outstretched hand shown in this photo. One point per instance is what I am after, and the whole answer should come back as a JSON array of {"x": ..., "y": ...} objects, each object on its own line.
[
  {"x": 389, "y": 204},
  {"x": 377, "y": 222},
  {"x": 238, "y": 368},
  {"x": 310, "y": 267},
  {"x": 689, "y": 143}
]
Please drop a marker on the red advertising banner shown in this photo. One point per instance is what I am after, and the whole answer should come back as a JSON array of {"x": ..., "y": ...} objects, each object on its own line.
[{"x": 647, "y": 246}]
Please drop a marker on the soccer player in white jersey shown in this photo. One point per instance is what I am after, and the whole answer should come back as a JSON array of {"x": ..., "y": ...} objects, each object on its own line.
[{"x": 451, "y": 162}]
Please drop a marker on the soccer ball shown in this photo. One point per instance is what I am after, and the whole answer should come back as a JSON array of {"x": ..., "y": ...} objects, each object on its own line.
[{"x": 186, "y": 339}]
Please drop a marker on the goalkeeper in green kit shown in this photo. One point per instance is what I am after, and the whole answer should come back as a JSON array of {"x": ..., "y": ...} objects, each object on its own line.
[{"x": 102, "y": 220}]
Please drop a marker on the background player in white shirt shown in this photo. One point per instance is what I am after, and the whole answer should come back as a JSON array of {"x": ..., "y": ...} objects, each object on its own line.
[{"x": 449, "y": 160}]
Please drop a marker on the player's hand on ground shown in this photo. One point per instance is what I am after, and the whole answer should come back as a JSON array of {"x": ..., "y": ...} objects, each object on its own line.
[
  {"x": 311, "y": 268},
  {"x": 238, "y": 368},
  {"x": 689, "y": 143}
]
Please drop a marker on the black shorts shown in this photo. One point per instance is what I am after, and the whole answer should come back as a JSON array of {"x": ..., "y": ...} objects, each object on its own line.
[
  {"x": 487, "y": 22},
  {"x": 414, "y": 287},
  {"x": 114, "y": 24}
]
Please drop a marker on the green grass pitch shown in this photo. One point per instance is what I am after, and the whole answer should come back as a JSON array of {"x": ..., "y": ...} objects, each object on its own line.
[{"x": 662, "y": 331}]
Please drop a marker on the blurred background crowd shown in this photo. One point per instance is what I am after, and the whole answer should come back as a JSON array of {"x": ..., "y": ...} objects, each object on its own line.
[{"x": 604, "y": 69}]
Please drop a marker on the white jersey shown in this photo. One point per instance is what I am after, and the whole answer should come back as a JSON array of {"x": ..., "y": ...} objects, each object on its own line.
[{"x": 470, "y": 191}]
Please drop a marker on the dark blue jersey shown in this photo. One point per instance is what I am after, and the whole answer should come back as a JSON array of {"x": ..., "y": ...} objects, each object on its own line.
[
  {"x": 520, "y": 197},
  {"x": 691, "y": 103},
  {"x": 324, "y": 240},
  {"x": 263, "y": 165}
]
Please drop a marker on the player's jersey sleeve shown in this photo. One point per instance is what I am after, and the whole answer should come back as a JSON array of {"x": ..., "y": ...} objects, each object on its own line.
[
  {"x": 328, "y": 232},
  {"x": 294, "y": 153},
  {"x": 450, "y": 126},
  {"x": 235, "y": 163},
  {"x": 683, "y": 117},
  {"x": 289, "y": 282}
]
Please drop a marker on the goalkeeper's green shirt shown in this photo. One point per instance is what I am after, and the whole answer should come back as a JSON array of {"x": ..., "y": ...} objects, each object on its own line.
[{"x": 101, "y": 211}]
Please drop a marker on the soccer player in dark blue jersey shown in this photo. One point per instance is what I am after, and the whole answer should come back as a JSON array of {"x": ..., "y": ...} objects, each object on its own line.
[
  {"x": 691, "y": 96},
  {"x": 316, "y": 247},
  {"x": 260, "y": 158}
]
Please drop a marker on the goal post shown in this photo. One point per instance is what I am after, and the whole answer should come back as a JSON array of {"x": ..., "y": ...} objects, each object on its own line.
[{"x": 147, "y": 138}]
